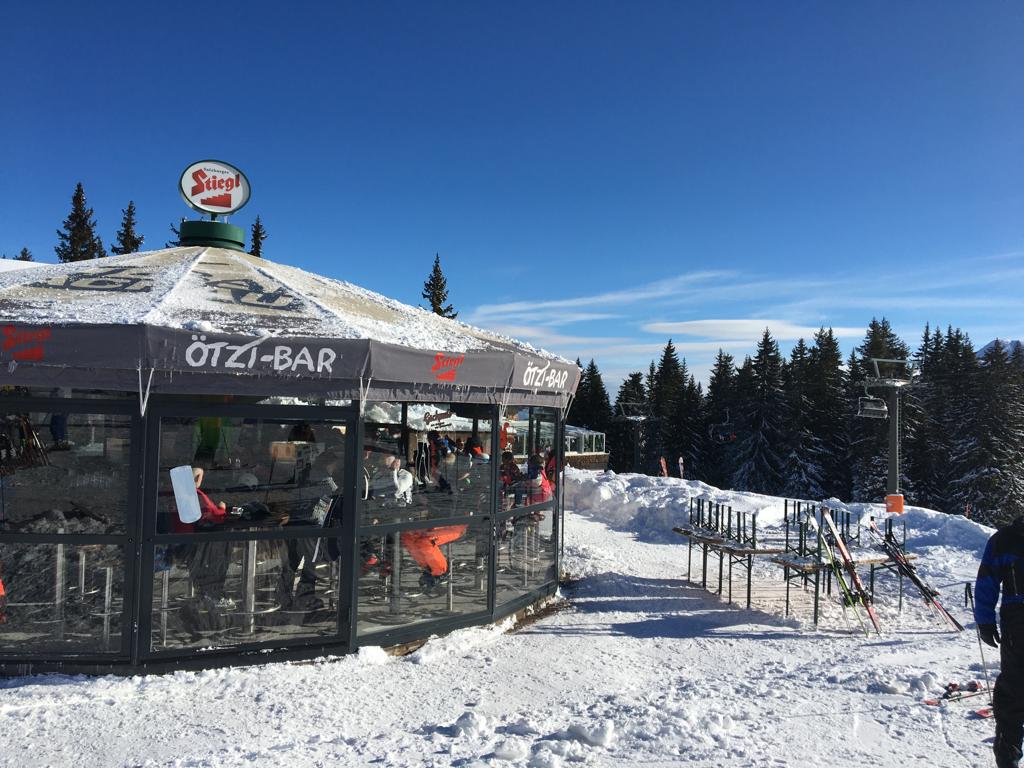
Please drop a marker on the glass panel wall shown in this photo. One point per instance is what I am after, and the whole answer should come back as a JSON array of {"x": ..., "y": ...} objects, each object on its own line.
[
  {"x": 61, "y": 598},
  {"x": 247, "y": 477},
  {"x": 64, "y": 472},
  {"x": 424, "y": 463},
  {"x": 526, "y": 554},
  {"x": 64, "y": 479},
  {"x": 530, "y": 476},
  {"x": 249, "y": 473},
  {"x": 210, "y": 593},
  {"x": 422, "y": 574}
]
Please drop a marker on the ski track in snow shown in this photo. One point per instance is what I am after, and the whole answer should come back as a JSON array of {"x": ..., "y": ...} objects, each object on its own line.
[{"x": 640, "y": 669}]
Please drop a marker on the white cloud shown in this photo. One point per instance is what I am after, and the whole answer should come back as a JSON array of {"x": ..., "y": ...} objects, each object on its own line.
[
  {"x": 658, "y": 289},
  {"x": 749, "y": 329}
]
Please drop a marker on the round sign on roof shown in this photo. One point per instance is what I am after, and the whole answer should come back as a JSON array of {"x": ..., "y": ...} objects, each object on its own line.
[{"x": 211, "y": 186}]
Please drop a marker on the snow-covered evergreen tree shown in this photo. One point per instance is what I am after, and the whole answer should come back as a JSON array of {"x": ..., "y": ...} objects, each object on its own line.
[
  {"x": 591, "y": 407},
  {"x": 830, "y": 408},
  {"x": 628, "y": 426},
  {"x": 687, "y": 427},
  {"x": 958, "y": 377},
  {"x": 994, "y": 475},
  {"x": 763, "y": 415},
  {"x": 926, "y": 449},
  {"x": 720, "y": 414},
  {"x": 803, "y": 470},
  {"x": 663, "y": 398}
]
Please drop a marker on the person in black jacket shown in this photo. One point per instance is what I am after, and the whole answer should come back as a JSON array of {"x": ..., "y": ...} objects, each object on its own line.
[{"x": 1002, "y": 570}]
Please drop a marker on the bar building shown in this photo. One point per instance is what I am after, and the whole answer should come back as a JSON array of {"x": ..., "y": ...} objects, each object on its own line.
[{"x": 208, "y": 459}]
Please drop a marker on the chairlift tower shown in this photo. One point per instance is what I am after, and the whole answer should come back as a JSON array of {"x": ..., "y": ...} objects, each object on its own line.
[{"x": 890, "y": 376}]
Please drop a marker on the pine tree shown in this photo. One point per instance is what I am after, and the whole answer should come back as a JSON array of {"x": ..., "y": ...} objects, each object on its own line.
[
  {"x": 991, "y": 475},
  {"x": 128, "y": 241},
  {"x": 804, "y": 459},
  {"x": 720, "y": 411},
  {"x": 24, "y": 255},
  {"x": 581, "y": 399},
  {"x": 256, "y": 237},
  {"x": 628, "y": 427},
  {"x": 435, "y": 291},
  {"x": 663, "y": 399},
  {"x": 78, "y": 241},
  {"x": 830, "y": 412},
  {"x": 962, "y": 421},
  {"x": 926, "y": 451},
  {"x": 175, "y": 241},
  {"x": 598, "y": 412},
  {"x": 688, "y": 431},
  {"x": 760, "y": 461}
]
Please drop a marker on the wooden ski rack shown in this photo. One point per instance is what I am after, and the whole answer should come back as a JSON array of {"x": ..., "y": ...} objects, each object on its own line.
[
  {"x": 802, "y": 557},
  {"x": 717, "y": 528}
]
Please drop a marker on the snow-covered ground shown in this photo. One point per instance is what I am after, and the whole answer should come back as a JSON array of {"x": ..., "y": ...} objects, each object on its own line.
[{"x": 638, "y": 668}]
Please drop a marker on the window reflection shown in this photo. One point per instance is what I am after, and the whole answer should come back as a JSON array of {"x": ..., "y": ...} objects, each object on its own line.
[
  {"x": 58, "y": 598},
  {"x": 528, "y": 434},
  {"x": 64, "y": 472},
  {"x": 423, "y": 461},
  {"x": 422, "y": 574},
  {"x": 526, "y": 553},
  {"x": 227, "y": 593},
  {"x": 220, "y": 473}
]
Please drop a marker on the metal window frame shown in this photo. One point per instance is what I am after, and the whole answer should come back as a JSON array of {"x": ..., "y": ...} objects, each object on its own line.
[
  {"x": 127, "y": 540},
  {"x": 143, "y": 651},
  {"x": 140, "y": 539}
]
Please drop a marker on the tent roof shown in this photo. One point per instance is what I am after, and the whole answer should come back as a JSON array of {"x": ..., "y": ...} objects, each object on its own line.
[
  {"x": 224, "y": 291},
  {"x": 198, "y": 319}
]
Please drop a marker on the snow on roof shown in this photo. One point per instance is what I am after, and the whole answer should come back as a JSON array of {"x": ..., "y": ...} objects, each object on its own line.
[
  {"x": 226, "y": 291},
  {"x": 6, "y": 265}
]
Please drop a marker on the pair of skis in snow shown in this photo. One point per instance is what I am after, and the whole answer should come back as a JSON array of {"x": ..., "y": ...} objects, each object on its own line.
[
  {"x": 895, "y": 553},
  {"x": 958, "y": 692},
  {"x": 853, "y": 590}
]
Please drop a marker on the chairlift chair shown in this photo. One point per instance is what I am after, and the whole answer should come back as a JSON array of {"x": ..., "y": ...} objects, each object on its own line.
[
  {"x": 632, "y": 412},
  {"x": 872, "y": 408},
  {"x": 724, "y": 432}
]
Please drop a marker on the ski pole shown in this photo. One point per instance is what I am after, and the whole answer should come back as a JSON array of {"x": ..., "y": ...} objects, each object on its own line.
[{"x": 969, "y": 595}]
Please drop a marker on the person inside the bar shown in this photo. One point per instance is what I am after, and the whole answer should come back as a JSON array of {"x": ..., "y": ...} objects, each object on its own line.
[
  {"x": 511, "y": 479},
  {"x": 424, "y": 546},
  {"x": 538, "y": 485}
]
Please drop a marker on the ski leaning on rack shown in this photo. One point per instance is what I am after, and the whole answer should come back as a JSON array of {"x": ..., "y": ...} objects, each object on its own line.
[
  {"x": 851, "y": 568},
  {"x": 895, "y": 553},
  {"x": 837, "y": 571}
]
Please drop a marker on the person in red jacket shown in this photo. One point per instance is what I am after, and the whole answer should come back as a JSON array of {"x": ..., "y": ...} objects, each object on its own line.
[
  {"x": 208, "y": 560},
  {"x": 212, "y": 514},
  {"x": 539, "y": 487}
]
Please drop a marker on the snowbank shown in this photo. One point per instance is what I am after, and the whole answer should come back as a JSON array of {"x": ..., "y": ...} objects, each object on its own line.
[{"x": 650, "y": 506}]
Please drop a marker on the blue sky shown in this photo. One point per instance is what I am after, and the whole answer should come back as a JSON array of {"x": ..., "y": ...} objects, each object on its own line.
[{"x": 596, "y": 176}]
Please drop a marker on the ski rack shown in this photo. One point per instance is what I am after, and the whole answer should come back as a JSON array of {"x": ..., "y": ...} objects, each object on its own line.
[
  {"x": 803, "y": 557},
  {"x": 717, "y": 528},
  {"x": 891, "y": 565}
]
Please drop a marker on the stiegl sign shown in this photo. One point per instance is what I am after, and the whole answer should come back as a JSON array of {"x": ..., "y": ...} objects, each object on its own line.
[{"x": 212, "y": 186}]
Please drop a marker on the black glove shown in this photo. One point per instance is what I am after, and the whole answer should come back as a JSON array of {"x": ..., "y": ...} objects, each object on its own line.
[{"x": 989, "y": 634}]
